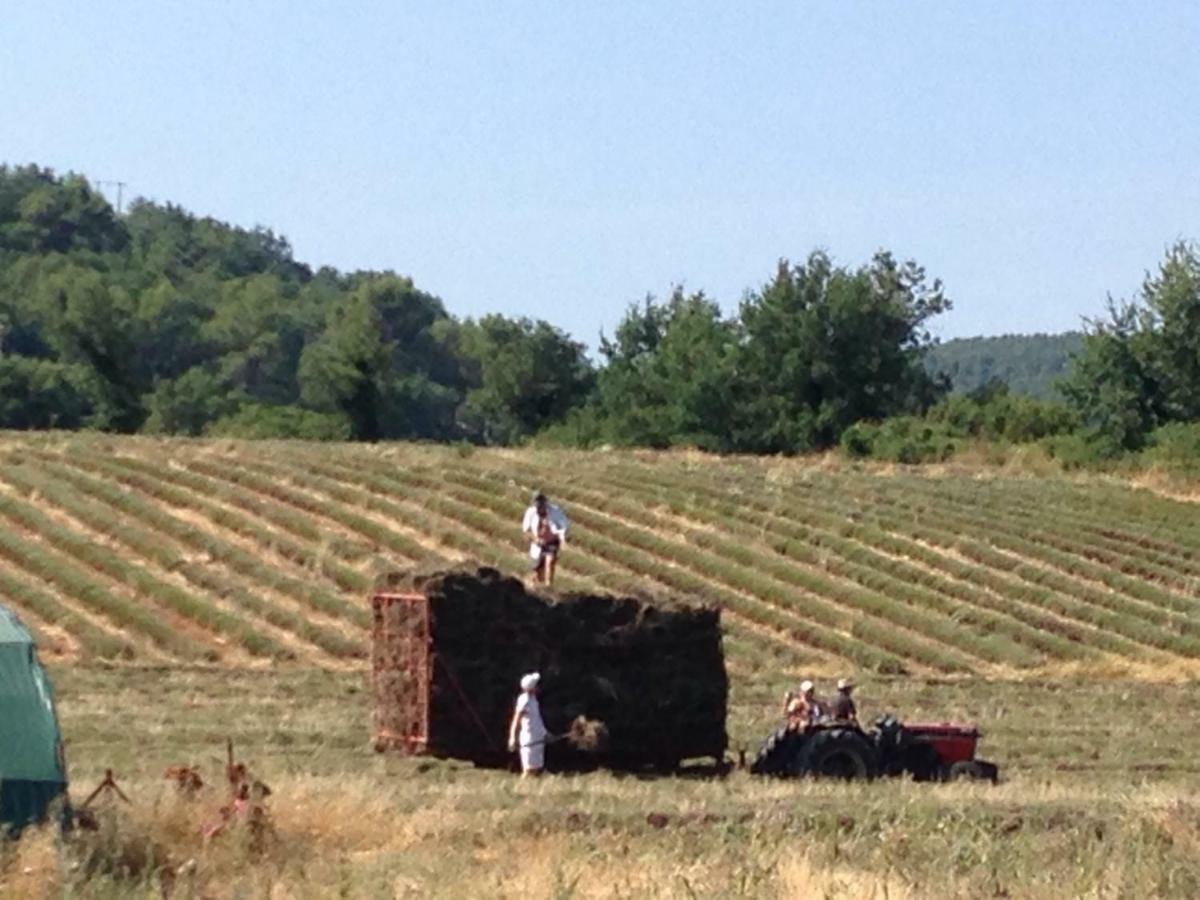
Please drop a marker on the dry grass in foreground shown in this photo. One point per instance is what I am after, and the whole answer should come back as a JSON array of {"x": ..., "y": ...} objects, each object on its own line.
[
  {"x": 1098, "y": 800},
  {"x": 469, "y": 834}
]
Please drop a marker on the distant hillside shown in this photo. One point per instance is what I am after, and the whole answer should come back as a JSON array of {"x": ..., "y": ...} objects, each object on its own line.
[{"x": 1028, "y": 363}]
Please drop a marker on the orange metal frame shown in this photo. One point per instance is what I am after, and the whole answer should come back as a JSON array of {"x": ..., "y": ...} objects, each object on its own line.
[{"x": 401, "y": 643}]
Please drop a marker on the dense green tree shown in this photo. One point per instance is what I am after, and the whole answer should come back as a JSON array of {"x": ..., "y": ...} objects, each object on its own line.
[
  {"x": 40, "y": 394},
  {"x": 1112, "y": 385},
  {"x": 825, "y": 347},
  {"x": 522, "y": 376},
  {"x": 87, "y": 323},
  {"x": 669, "y": 375},
  {"x": 257, "y": 332},
  {"x": 996, "y": 413},
  {"x": 40, "y": 213},
  {"x": 169, "y": 330},
  {"x": 1171, "y": 324},
  {"x": 163, "y": 321},
  {"x": 169, "y": 240},
  {"x": 189, "y": 403},
  {"x": 382, "y": 364},
  {"x": 1140, "y": 367}
]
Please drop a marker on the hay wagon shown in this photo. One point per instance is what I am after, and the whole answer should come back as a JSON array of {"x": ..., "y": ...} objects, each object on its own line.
[{"x": 449, "y": 649}]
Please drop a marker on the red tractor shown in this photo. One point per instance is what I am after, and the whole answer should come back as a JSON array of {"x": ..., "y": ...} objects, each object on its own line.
[{"x": 925, "y": 751}]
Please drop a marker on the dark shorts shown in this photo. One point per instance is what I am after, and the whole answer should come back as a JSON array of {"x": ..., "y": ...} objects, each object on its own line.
[{"x": 549, "y": 551}]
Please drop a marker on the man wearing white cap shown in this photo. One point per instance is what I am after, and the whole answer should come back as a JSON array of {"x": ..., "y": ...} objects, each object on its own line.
[
  {"x": 844, "y": 709},
  {"x": 527, "y": 730}
]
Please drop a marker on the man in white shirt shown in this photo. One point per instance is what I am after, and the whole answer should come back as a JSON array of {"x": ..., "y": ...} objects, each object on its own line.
[
  {"x": 527, "y": 731},
  {"x": 546, "y": 527}
]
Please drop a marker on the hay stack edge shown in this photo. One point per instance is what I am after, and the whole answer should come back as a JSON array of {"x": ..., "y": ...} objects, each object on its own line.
[{"x": 449, "y": 649}]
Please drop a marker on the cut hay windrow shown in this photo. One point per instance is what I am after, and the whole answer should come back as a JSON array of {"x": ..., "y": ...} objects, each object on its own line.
[
  {"x": 1121, "y": 634},
  {"x": 864, "y": 554},
  {"x": 761, "y": 609},
  {"x": 286, "y": 532},
  {"x": 342, "y": 505},
  {"x": 1167, "y": 630},
  {"x": 150, "y": 547},
  {"x": 1098, "y": 520},
  {"x": 78, "y": 579},
  {"x": 606, "y": 566},
  {"x": 93, "y": 641},
  {"x": 139, "y": 516},
  {"x": 824, "y": 617},
  {"x": 936, "y": 639},
  {"x": 158, "y": 486},
  {"x": 1029, "y": 531}
]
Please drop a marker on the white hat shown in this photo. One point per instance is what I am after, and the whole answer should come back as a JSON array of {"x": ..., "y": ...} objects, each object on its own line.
[
  {"x": 805, "y": 687},
  {"x": 530, "y": 681},
  {"x": 845, "y": 684}
]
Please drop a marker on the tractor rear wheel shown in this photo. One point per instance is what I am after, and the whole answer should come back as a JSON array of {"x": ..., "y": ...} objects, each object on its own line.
[
  {"x": 838, "y": 753},
  {"x": 775, "y": 756}
]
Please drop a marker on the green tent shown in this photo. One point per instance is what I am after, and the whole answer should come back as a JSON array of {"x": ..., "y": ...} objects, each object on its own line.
[{"x": 32, "y": 769}]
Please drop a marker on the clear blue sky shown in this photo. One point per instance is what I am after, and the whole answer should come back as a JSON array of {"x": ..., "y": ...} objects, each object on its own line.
[{"x": 562, "y": 159}]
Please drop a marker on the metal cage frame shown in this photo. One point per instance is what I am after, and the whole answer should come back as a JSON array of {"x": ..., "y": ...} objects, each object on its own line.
[{"x": 401, "y": 672}]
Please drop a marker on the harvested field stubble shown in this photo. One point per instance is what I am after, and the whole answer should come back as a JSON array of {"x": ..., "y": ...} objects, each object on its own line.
[
  {"x": 813, "y": 563},
  {"x": 348, "y": 822}
]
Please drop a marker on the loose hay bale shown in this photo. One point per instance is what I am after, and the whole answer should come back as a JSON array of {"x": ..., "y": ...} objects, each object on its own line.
[
  {"x": 639, "y": 684},
  {"x": 588, "y": 735}
]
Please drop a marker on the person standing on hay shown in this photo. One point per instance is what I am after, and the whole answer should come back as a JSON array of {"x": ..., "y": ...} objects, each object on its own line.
[
  {"x": 527, "y": 731},
  {"x": 546, "y": 527}
]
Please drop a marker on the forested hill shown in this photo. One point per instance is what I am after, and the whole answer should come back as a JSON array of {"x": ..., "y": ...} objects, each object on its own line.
[
  {"x": 160, "y": 321},
  {"x": 1028, "y": 363}
]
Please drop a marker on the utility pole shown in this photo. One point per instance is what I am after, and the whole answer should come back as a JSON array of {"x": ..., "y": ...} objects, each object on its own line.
[{"x": 120, "y": 186}]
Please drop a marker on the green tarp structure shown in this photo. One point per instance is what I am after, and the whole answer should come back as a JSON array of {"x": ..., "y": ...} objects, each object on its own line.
[{"x": 32, "y": 769}]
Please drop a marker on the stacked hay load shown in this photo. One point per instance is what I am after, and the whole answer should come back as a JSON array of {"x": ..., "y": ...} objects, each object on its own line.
[{"x": 450, "y": 649}]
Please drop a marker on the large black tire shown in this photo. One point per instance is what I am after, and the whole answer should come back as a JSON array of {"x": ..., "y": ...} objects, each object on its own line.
[
  {"x": 922, "y": 762},
  {"x": 972, "y": 770},
  {"x": 775, "y": 757},
  {"x": 838, "y": 753}
]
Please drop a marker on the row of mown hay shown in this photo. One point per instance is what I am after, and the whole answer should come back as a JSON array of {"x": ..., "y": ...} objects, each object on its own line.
[{"x": 652, "y": 673}]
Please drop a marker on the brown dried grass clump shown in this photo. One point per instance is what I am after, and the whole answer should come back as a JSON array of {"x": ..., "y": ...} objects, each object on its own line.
[{"x": 588, "y": 735}]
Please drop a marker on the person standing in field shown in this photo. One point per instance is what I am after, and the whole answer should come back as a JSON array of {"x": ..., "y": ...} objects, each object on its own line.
[
  {"x": 546, "y": 527},
  {"x": 527, "y": 731},
  {"x": 844, "y": 709}
]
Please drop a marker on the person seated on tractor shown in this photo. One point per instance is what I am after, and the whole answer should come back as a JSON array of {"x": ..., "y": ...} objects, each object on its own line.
[
  {"x": 844, "y": 709},
  {"x": 802, "y": 710}
]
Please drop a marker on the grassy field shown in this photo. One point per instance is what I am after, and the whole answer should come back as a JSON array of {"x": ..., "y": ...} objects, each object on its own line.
[
  {"x": 184, "y": 592},
  {"x": 1098, "y": 799}
]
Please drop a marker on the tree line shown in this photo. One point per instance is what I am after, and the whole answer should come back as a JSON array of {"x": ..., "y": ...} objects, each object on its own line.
[
  {"x": 158, "y": 321},
  {"x": 163, "y": 322}
]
